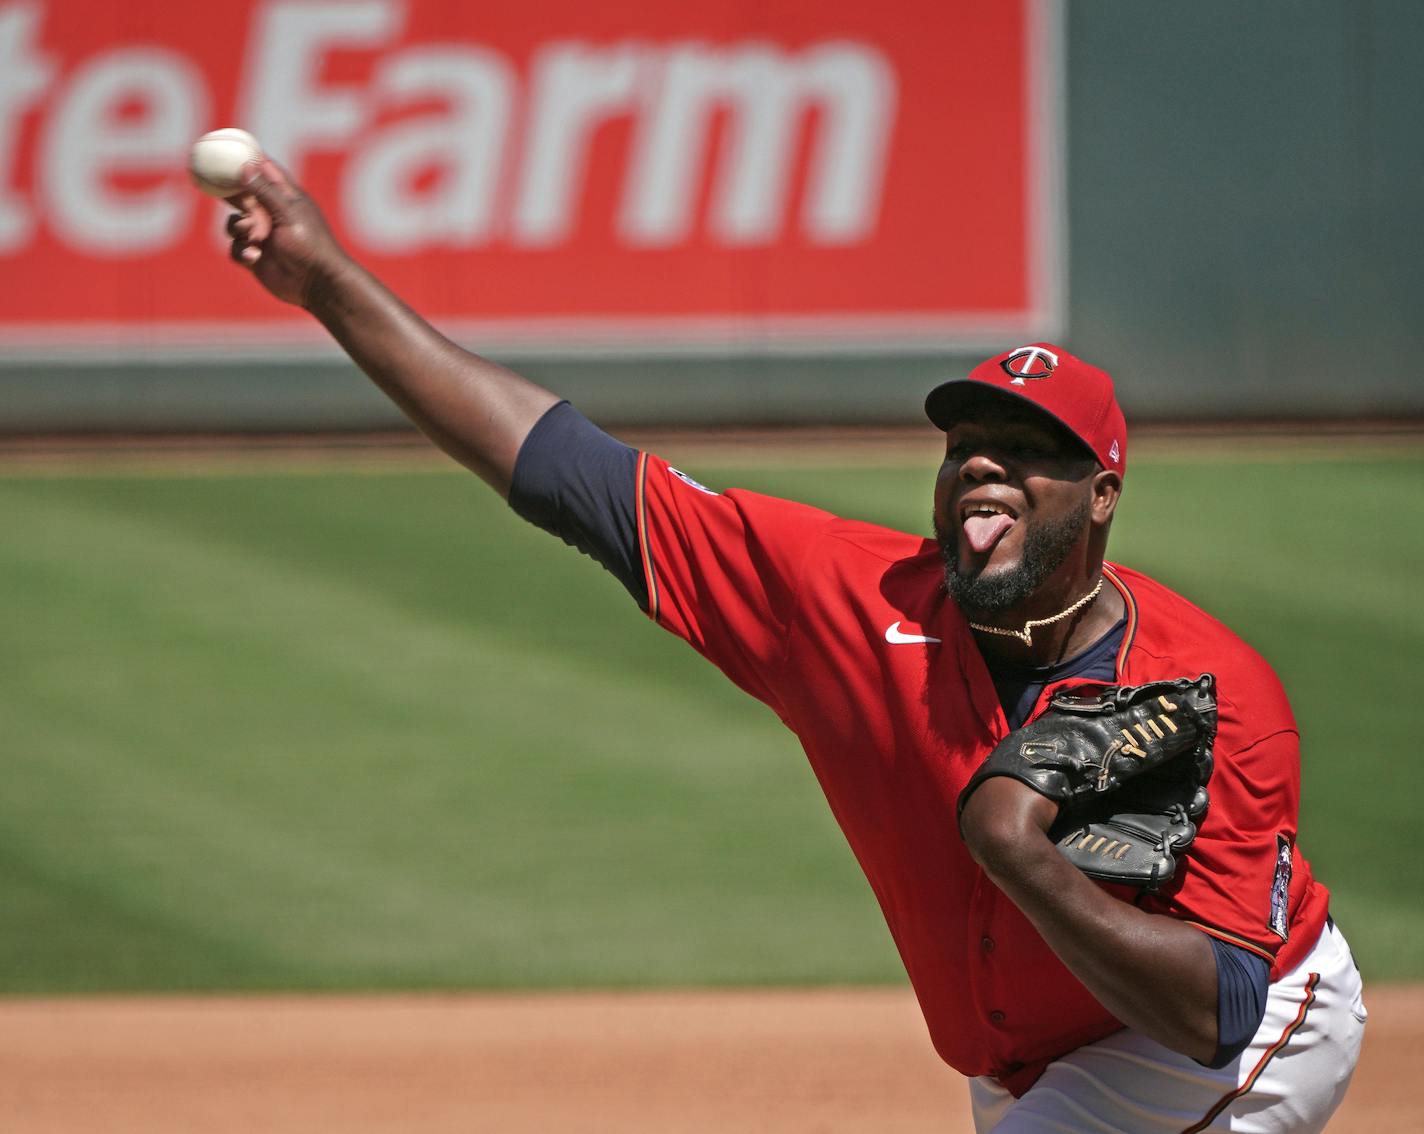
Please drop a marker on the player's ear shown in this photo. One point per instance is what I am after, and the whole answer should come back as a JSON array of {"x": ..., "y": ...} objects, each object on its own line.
[{"x": 1107, "y": 488}]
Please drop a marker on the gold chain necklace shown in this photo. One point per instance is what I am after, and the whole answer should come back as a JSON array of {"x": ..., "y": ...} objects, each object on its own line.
[{"x": 1026, "y": 634}]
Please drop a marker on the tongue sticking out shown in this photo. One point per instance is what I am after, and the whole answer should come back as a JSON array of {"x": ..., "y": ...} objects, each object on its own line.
[{"x": 985, "y": 531}]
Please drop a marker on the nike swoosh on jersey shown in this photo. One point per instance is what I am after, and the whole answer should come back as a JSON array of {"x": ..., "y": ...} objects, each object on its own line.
[{"x": 896, "y": 637}]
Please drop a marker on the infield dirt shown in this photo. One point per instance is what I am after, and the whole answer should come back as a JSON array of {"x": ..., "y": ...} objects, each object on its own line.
[{"x": 813, "y": 1060}]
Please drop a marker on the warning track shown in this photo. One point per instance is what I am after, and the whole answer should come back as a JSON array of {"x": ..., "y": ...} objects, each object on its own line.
[{"x": 825, "y": 1060}]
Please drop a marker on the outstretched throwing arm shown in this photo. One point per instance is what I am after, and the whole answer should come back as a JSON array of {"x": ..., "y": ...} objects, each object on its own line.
[{"x": 475, "y": 410}]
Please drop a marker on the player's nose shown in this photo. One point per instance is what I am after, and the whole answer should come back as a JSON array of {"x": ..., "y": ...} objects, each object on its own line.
[{"x": 981, "y": 468}]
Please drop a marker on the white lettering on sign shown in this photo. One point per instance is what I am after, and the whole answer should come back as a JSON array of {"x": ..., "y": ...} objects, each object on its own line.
[
  {"x": 283, "y": 103},
  {"x": 575, "y": 90},
  {"x": 90, "y": 138},
  {"x": 445, "y": 146},
  {"x": 769, "y": 94},
  {"x": 24, "y": 74},
  {"x": 464, "y": 146}
]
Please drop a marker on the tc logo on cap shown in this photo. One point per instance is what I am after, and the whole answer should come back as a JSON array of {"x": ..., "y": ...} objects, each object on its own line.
[{"x": 1029, "y": 364}]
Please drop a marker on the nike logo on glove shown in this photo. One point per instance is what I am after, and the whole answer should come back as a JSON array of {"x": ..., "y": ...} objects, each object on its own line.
[{"x": 896, "y": 637}]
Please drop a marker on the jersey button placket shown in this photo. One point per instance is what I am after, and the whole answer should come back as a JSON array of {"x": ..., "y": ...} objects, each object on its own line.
[{"x": 996, "y": 1017}]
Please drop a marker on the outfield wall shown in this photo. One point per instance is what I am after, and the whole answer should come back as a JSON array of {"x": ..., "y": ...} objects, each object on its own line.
[{"x": 1231, "y": 226}]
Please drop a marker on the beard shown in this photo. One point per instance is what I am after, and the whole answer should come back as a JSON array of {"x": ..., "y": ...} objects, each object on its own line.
[{"x": 1046, "y": 546}]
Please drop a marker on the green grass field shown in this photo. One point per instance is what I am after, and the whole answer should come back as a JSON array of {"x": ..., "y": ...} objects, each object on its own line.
[{"x": 336, "y": 730}]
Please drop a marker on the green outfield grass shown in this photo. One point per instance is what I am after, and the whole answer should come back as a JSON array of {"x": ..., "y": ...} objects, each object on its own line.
[{"x": 369, "y": 730}]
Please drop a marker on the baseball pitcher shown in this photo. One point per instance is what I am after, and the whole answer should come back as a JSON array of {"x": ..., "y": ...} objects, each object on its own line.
[{"x": 1074, "y": 794}]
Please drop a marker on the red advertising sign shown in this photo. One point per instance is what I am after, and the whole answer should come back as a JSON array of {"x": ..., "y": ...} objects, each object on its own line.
[{"x": 551, "y": 174}]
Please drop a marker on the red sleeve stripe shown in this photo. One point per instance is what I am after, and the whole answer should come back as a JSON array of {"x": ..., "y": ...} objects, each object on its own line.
[
  {"x": 1131, "y": 604},
  {"x": 1232, "y": 939},
  {"x": 1269, "y": 1054},
  {"x": 650, "y": 577}
]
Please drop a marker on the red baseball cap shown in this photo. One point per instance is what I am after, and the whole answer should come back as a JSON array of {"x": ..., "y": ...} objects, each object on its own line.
[{"x": 1076, "y": 395}]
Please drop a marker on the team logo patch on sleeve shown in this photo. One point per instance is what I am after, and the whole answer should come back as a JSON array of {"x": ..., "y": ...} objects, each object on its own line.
[
  {"x": 687, "y": 480},
  {"x": 1280, "y": 889}
]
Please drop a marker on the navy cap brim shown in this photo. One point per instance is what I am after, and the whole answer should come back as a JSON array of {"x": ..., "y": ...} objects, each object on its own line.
[{"x": 952, "y": 402}]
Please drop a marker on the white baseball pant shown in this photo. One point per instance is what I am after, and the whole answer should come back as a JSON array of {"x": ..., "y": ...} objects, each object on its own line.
[{"x": 1289, "y": 1080}]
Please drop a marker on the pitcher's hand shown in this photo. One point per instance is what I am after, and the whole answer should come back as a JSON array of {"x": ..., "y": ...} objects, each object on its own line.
[{"x": 281, "y": 237}]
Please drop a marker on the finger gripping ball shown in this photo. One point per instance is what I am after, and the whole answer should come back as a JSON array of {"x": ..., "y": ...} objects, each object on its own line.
[{"x": 216, "y": 161}]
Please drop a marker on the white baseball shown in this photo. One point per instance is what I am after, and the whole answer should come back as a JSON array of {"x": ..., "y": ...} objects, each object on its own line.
[{"x": 216, "y": 160}]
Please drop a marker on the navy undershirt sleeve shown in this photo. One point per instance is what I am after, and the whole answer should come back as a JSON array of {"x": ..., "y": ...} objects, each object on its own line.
[
  {"x": 1242, "y": 979},
  {"x": 577, "y": 482}
]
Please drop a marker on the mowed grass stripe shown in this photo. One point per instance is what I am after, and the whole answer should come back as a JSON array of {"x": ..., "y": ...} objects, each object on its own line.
[
  {"x": 338, "y": 790},
  {"x": 351, "y": 731}
]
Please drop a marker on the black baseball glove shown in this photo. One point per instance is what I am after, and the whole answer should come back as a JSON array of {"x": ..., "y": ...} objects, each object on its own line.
[{"x": 1128, "y": 766}]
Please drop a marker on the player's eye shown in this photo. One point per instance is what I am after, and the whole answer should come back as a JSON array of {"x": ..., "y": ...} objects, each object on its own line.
[{"x": 1031, "y": 449}]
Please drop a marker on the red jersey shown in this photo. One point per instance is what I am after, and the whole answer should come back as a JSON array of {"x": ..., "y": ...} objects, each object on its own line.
[{"x": 846, "y": 631}]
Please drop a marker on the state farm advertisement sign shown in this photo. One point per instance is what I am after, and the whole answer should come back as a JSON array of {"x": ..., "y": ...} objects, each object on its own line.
[{"x": 548, "y": 174}]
